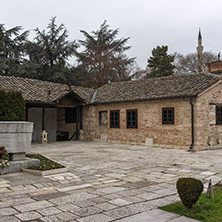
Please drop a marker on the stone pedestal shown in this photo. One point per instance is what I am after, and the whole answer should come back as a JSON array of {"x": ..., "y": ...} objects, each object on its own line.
[
  {"x": 81, "y": 135},
  {"x": 103, "y": 138},
  {"x": 149, "y": 142},
  {"x": 16, "y": 137}
]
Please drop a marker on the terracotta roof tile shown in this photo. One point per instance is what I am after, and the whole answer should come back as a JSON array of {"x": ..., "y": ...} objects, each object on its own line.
[
  {"x": 173, "y": 86},
  {"x": 38, "y": 91}
]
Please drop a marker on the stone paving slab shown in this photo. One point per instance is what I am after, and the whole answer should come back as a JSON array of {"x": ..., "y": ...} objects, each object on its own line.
[
  {"x": 33, "y": 206},
  {"x": 9, "y": 219},
  {"x": 105, "y": 182},
  {"x": 27, "y": 216},
  {"x": 64, "y": 216},
  {"x": 96, "y": 218},
  {"x": 156, "y": 215},
  {"x": 7, "y": 211}
]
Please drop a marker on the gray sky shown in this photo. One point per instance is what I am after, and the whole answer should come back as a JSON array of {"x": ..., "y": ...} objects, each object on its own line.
[{"x": 148, "y": 23}]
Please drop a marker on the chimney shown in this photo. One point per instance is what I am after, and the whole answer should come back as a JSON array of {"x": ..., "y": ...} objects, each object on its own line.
[
  {"x": 69, "y": 87},
  {"x": 215, "y": 67}
]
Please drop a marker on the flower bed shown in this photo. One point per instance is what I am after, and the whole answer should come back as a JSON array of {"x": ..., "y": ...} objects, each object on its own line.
[
  {"x": 4, "y": 157},
  {"x": 45, "y": 163}
]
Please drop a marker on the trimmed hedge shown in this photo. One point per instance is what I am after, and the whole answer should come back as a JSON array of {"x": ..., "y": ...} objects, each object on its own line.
[
  {"x": 189, "y": 190},
  {"x": 12, "y": 106}
]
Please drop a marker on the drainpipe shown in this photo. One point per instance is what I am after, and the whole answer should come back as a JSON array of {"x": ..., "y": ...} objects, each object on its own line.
[
  {"x": 192, "y": 125},
  {"x": 77, "y": 122}
]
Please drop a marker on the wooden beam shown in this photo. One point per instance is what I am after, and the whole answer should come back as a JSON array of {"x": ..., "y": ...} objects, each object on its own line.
[
  {"x": 80, "y": 117},
  {"x": 43, "y": 118},
  {"x": 26, "y": 113},
  {"x": 77, "y": 122}
]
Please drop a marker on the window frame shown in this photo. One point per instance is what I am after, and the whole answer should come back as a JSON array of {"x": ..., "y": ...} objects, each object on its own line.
[
  {"x": 100, "y": 119},
  {"x": 114, "y": 123},
  {"x": 167, "y": 121},
  {"x": 133, "y": 123},
  {"x": 218, "y": 120}
]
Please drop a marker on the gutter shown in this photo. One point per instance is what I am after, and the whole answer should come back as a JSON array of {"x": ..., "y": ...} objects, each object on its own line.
[
  {"x": 142, "y": 100},
  {"x": 192, "y": 125}
]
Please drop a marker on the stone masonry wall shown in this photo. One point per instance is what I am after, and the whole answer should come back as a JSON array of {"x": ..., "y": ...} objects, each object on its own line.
[
  {"x": 207, "y": 133},
  {"x": 177, "y": 135},
  {"x": 62, "y": 126}
]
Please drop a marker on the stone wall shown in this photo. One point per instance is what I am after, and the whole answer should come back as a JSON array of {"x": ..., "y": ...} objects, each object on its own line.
[
  {"x": 150, "y": 125},
  {"x": 62, "y": 126},
  {"x": 207, "y": 133}
]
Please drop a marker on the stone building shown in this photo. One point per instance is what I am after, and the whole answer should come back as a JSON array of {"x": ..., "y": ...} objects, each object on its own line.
[{"x": 182, "y": 112}]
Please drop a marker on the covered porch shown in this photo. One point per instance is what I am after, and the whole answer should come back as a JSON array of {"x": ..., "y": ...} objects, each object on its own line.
[{"x": 59, "y": 120}]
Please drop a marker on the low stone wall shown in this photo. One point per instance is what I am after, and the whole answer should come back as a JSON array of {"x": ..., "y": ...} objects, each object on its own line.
[
  {"x": 17, "y": 166},
  {"x": 16, "y": 137}
]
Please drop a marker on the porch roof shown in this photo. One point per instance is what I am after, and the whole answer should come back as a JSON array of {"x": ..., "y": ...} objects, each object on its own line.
[{"x": 42, "y": 91}]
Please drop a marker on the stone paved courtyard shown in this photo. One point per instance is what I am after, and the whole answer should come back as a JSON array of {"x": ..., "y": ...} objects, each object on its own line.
[{"x": 105, "y": 182}]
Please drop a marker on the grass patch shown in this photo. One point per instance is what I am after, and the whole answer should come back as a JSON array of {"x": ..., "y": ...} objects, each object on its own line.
[
  {"x": 206, "y": 210},
  {"x": 45, "y": 163}
]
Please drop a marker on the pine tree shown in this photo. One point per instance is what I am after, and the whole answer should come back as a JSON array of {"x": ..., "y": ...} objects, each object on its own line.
[
  {"x": 11, "y": 50},
  {"x": 160, "y": 63},
  {"x": 49, "y": 53},
  {"x": 103, "y": 58}
]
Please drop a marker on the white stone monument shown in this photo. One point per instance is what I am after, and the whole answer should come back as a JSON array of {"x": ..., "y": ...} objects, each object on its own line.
[{"x": 16, "y": 137}]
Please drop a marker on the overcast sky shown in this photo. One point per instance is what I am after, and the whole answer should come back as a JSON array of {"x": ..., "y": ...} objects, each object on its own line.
[{"x": 148, "y": 23}]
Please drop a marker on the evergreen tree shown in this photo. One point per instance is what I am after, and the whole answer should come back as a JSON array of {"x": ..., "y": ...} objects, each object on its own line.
[
  {"x": 103, "y": 57},
  {"x": 12, "y": 50},
  {"x": 160, "y": 63},
  {"x": 49, "y": 53}
]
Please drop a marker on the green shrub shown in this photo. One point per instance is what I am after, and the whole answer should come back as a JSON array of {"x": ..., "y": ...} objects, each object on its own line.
[
  {"x": 189, "y": 190},
  {"x": 12, "y": 106}
]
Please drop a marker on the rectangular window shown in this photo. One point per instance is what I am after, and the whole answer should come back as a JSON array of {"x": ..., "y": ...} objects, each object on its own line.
[
  {"x": 114, "y": 118},
  {"x": 167, "y": 115},
  {"x": 70, "y": 115},
  {"x": 219, "y": 115},
  {"x": 103, "y": 118},
  {"x": 131, "y": 118}
]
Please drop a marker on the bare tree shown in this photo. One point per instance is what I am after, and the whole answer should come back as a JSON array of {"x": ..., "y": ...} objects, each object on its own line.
[{"x": 189, "y": 63}]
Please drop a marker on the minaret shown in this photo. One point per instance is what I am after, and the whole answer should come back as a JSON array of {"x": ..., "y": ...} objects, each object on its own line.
[{"x": 200, "y": 52}]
